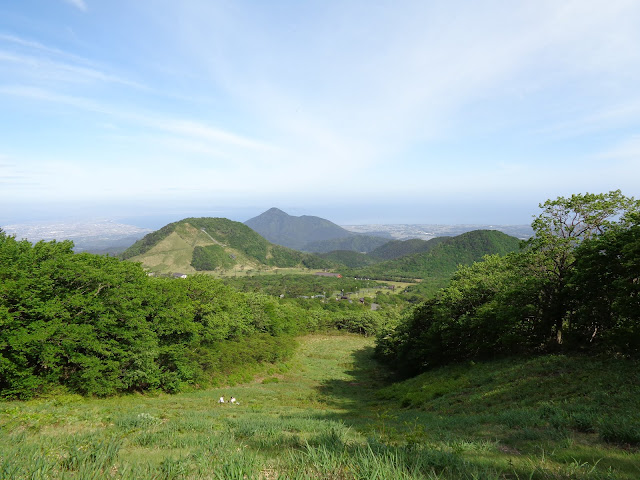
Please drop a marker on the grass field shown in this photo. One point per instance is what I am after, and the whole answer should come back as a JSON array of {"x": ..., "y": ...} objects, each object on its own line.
[{"x": 319, "y": 416}]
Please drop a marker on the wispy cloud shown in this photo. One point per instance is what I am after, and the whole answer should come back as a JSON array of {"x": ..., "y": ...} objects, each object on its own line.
[
  {"x": 80, "y": 4},
  {"x": 387, "y": 100},
  {"x": 177, "y": 126},
  {"x": 399, "y": 74},
  {"x": 38, "y": 69}
]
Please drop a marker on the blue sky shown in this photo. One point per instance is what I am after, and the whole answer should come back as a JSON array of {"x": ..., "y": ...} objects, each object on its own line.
[{"x": 356, "y": 111}]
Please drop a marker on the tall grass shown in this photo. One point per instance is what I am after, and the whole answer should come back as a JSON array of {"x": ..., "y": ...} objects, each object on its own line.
[{"x": 322, "y": 420}]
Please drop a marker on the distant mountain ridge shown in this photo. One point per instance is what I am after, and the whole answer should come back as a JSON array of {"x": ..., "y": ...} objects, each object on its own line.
[
  {"x": 444, "y": 255},
  {"x": 309, "y": 233}
]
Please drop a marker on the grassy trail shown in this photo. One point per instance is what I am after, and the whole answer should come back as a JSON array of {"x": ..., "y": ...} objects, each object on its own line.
[{"x": 316, "y": 417}]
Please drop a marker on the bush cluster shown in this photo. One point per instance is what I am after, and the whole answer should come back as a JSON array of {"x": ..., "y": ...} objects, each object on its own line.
[
  {"x": 98, "y": 325},
  {"x": 574, "y": 287}
]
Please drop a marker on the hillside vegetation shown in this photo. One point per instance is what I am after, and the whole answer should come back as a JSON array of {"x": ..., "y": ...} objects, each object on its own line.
[
  {"x": 401, "y": 248},
  {"x": 444, "y": 258},
  {"x": 319, "y": 416},
  {"x": 207, "y": 244},
  {"x": 349, "y": 258},
  {"x": 356, "y": 243},
  {"x": 573, "y": 288},
  {"x": 434, "y": 267}
]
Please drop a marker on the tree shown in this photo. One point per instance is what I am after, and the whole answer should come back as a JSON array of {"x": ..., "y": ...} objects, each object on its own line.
[
  {"x": 561, "y": 227},
  {"x": 605, "y": 290}
]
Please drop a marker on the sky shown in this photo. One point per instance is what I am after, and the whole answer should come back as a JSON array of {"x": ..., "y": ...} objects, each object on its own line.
[{"x": 356, "y": 111}]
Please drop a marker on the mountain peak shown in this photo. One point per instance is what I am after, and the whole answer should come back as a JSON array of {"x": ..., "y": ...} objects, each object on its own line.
[
  {"x": 274, "y": 211},
  {"x": 294, "y": 232}
]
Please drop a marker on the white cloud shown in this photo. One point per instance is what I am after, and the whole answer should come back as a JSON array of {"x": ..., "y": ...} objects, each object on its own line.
[
  {"x": 390, "y": 76},
  {"x": 174, "y": 125}
]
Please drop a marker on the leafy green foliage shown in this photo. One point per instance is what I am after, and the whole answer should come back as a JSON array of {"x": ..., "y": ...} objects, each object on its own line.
[
  {"x": 77, "y": 318},
  {"x": 402, "y": 248},
  {"x": 98, "y": 325},
  {"x": 563, "y": 225},
  {"x": 211, "y": 257},
  {"x": 604, "y": 290},
  {"x": 349, "y": 258},
  {"x": 574, "y": 288},
  {"x": 298, "y": 285},
  {"x": 355, "y": 243}
]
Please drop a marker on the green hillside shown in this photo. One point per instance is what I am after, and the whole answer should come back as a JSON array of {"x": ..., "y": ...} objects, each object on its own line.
[
  {"x": 349, "y": 258},
  {"x": 355, "y": 243},
  {"x": 207, "y": 244},
  {"x": 436, "y": 266},
  {"x": 401, "y": 248}
]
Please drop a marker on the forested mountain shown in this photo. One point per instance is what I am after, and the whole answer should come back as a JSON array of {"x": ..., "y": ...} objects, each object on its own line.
[
  {"x": 309, "y": 234},
  {"x": 401, "y": 248},
  {"x": 349, "y": 258},
  {"x": 294, "y": 232},
  {"x": 355, "y": 243},
  {"x": 205, "y": 244},
  {"x": 444, "y": 257}
]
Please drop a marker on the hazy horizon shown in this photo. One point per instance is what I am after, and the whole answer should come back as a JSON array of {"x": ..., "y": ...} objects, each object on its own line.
[{"x": 398, "y": 112}]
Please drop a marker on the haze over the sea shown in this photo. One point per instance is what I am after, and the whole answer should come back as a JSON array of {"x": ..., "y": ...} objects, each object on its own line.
[{"x": 145, "y": 112}]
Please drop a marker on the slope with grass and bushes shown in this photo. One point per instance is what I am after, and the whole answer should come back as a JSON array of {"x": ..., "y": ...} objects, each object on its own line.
[
  {"x": 319, "y": 416},
  {"x": 207, "y": 244},
  {"x": 97, "y": 325}
]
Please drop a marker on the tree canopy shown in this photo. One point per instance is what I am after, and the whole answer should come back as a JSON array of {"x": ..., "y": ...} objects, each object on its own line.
[{"x": 575, "y": 287}]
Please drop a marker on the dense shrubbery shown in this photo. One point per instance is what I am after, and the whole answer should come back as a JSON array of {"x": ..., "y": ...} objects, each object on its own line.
[
  {"x": 97, "y": 325},
  {"x": 574, "y": 288},
  {"x": 295, "y": 285},
  {"x": 211, "y": 257}
]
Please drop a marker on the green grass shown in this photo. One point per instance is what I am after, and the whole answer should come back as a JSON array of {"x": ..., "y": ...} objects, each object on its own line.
[{"x": 320, "y": 416}]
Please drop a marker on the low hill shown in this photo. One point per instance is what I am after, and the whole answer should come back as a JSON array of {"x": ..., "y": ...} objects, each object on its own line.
[
  {"x": 401, "y": 248},
  {"x": 354, "y": 243},
  {"x": 206, "y": 244},
  {"x": 349, "y": 258},
  {"x": 310, "y": 234},
  {"x": 441, "y": 261}
]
